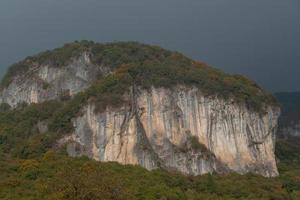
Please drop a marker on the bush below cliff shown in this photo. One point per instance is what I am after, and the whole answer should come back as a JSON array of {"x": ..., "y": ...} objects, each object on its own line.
[{"x": 56, "y": 176}]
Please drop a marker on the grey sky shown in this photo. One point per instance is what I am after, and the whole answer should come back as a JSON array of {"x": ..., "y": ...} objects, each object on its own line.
[{"x": 257, "y": 38}]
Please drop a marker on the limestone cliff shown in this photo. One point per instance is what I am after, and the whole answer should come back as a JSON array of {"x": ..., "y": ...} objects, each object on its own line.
[
  {"x": 44, "y": 82},
  {"x": 159, "y": 108},
  {"x": 160, "y": 126}
]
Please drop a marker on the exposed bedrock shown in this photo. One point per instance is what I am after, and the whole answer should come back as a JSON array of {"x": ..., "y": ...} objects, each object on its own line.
[
  {"x": 46, "y": 82},
  {"x": 179, "y": 129}
]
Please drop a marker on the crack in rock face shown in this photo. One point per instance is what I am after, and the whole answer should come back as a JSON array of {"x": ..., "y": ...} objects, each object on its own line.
[{"x": 155, "y": 130}]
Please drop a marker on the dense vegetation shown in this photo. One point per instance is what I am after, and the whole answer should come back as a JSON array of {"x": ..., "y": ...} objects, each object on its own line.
[
  {"x": 55, "y": 176},
  {"x": 146, "y": 66},
  {"x": 32, "y": 167}
]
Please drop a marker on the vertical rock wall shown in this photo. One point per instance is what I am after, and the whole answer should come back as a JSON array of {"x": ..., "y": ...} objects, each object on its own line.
[{"x": 179, "y": 129}]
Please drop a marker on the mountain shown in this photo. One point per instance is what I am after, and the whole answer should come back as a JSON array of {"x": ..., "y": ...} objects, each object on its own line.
[
  {"x": 288, "y": 134},
  {"x": 289, "y": 123},
  {"x": 138, "y": 104}
]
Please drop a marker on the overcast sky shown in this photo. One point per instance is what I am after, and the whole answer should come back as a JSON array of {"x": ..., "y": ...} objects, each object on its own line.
[{"x": 256, "y": 38}]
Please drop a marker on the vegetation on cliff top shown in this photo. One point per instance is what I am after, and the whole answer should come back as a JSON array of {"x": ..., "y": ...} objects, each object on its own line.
[{"x": 147, "y": 66}]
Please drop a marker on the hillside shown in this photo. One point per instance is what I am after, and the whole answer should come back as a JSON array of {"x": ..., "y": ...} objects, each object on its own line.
[
  {"x": 288, "y": 134},
  {"x": 289, "y": 122},
  {"x": 136, "y": 104},
  {"x": 56, "y": 176}
]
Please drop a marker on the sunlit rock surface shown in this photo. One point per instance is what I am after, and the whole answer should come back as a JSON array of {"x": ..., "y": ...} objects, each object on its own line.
[{"x": 159, "y": 129}]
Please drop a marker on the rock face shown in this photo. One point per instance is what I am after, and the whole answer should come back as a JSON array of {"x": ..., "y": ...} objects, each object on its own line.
[
  {"x": 179, "y": 129},
  {"x": 47, "y": 82}
]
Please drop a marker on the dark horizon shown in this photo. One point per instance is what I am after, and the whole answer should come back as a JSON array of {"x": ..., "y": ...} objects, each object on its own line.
[{"x": 258, "y": 39}]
